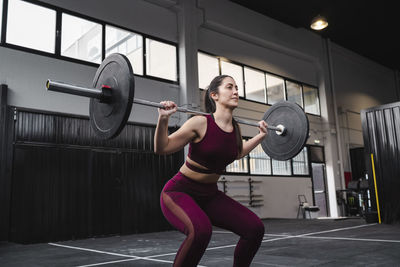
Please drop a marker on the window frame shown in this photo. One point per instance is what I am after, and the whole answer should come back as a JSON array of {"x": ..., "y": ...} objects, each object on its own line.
[{"x": 57, "y": 54}]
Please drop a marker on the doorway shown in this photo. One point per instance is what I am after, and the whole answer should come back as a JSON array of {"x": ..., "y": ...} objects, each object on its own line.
[{"x": 317, "y": 159}]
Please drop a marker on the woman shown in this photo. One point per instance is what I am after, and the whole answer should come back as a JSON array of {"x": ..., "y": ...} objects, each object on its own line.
[{"x": 191, "y": 201}]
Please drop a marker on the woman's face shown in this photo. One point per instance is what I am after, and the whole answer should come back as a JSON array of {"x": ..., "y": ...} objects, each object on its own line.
[{"x": 227, "y": 93}]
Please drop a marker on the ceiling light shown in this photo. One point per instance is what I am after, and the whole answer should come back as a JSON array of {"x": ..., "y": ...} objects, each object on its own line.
[{"x": 319, "y": 23}]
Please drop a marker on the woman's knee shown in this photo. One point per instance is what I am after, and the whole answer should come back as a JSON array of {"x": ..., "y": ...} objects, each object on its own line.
[
  {"x": 255, "y": 230},
  {"x": 202, "y": 233}
]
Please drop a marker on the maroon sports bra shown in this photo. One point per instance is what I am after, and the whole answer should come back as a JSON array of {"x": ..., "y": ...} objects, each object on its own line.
[{"x": 215, "y": 151}]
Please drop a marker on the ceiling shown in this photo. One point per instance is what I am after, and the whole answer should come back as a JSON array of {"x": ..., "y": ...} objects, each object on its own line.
[{"x": 368, "y": 28}]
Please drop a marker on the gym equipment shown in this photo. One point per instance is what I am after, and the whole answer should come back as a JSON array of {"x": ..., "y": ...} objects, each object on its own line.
[{"x": 112, "y": 97}]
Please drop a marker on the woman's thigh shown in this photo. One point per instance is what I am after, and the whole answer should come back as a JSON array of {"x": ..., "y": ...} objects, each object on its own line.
[{"x": 227, "y": 213}]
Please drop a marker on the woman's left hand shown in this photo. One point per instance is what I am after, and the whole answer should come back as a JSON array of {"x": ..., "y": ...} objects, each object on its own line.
[{"x": 263, "y": 127}]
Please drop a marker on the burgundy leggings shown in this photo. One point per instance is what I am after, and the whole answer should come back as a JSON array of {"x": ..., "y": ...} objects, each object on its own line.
[{"x": 193, "y": 207}]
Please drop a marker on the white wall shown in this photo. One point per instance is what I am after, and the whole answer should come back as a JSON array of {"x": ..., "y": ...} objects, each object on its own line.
[
  {"x": 279, "y": 194},
  {"x": 359, "y": 84}
]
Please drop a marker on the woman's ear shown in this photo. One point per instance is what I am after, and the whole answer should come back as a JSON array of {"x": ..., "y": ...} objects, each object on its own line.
[{"x": 214, "y": 96}]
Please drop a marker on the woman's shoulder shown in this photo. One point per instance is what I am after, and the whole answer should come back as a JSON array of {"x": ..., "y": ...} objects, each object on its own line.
[
  {"x": 197, "y": 122},
  {"x": 198, "y": 119}
]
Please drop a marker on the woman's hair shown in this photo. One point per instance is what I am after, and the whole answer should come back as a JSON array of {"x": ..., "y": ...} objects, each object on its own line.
[{"x": 210, "y": 107}]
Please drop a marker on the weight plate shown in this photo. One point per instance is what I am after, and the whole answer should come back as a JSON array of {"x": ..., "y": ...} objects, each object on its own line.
[
  {"x": 295, "y": 121},
  {"x": 108, "y": 119}
]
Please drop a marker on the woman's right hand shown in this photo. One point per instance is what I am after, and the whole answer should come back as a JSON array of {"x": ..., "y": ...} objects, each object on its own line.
[{"x": 169, "y": 108}]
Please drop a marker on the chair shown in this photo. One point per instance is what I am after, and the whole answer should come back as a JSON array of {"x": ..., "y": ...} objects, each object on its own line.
[{"x": 304, "y": 207}]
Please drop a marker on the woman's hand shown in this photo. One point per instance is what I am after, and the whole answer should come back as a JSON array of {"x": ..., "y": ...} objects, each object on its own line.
[
  {"x": 170, "y": 108},
  {"x": 262, "y": 126}
]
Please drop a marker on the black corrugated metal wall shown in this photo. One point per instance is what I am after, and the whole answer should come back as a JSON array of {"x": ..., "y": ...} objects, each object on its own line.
[
  {"x": 68, "y": 184},
  {"x": 381, "y": 133},
  {"x": 5, "y": 163}
]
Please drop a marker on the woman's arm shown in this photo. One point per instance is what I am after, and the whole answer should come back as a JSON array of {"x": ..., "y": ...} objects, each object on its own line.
[
  {"x": 164, "y": 144},
  {"x": 250, "y": 144}
]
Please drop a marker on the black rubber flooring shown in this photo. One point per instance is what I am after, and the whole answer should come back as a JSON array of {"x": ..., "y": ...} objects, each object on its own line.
[{"x": 327, "y": 242}]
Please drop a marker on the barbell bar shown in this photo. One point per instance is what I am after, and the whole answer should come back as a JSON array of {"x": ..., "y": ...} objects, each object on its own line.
[
  {"x": 112, "y": 95},
  {"x": 105, "y": 95}
]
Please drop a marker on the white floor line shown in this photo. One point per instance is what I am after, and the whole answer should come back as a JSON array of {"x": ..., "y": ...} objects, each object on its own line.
[
  {"x": 276, "y": 235},
  {"x": 105, "y": 263},
  {"x": 161, "y": 255},
  {"x": 351, "y": 239},
  {"x": 94, "y": 250},
  {"x": 338, "y": 229},
  {"x": 109, "y": 253},
  {"x": 316, "y": 233},
  {"x": 333, "y": 237}
]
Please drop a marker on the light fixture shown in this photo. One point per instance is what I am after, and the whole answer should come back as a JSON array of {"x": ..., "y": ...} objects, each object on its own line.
[{"x": 318, "y": 23}]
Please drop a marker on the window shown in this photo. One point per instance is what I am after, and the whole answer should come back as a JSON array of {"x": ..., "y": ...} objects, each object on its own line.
[
  {"x": 281, "y": 167},
  {"x": 311, "y": 100},
  {"x": 258, "y": 85},
  {"x": 294, "y": 93},
  {"x": 275, "y": 89},
  {"x": 236, "y": 72},
  {"x": 161, "y": 60},
  {"x": 127, "y": 43},
  {"x": 208, "y": 69},
  {"x": 300, "y": 163},
  {"x": 31, "y": 26},
  {"x": 81, "y": 39},
  {"x": 260, "y": 163},
  {"x": 255, "y": 85}
]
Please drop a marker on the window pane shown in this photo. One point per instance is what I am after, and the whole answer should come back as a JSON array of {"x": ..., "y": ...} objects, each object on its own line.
[
  {"x": 31, "y": 26},
  {"x": 275, "y": 89},
  {"x": 208, "y": 69},
  {"x": 311, "y": 100},
  {"x": 236, "y": 72},
  {"x": 294, "y": 93},
  {"x": 260, "y": 163},
  {"x": 161, "y": 60},
  {"x": 127, "y": 43},
  {"x": 300, "y": 163},
  {"x": 81, "y": 39},
  {"x": 255, "y": 85},
  {"x": 281, "y": 167},
  {"x": 239, "y": 165}
]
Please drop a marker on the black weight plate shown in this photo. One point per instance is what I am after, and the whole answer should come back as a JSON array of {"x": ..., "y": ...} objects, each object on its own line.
[
  {"x": 295, "y": 121},
  {"x": 108, "y": 119}
]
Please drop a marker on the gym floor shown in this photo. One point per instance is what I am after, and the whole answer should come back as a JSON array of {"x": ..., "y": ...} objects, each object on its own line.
[{"x": 315, "y": 242}]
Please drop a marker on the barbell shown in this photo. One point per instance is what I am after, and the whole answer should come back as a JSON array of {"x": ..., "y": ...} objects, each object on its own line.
[{"x": 112, "y": 97}]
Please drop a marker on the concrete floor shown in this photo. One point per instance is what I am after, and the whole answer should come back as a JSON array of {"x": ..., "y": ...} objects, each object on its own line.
[{"x": 286, "y": 243}]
